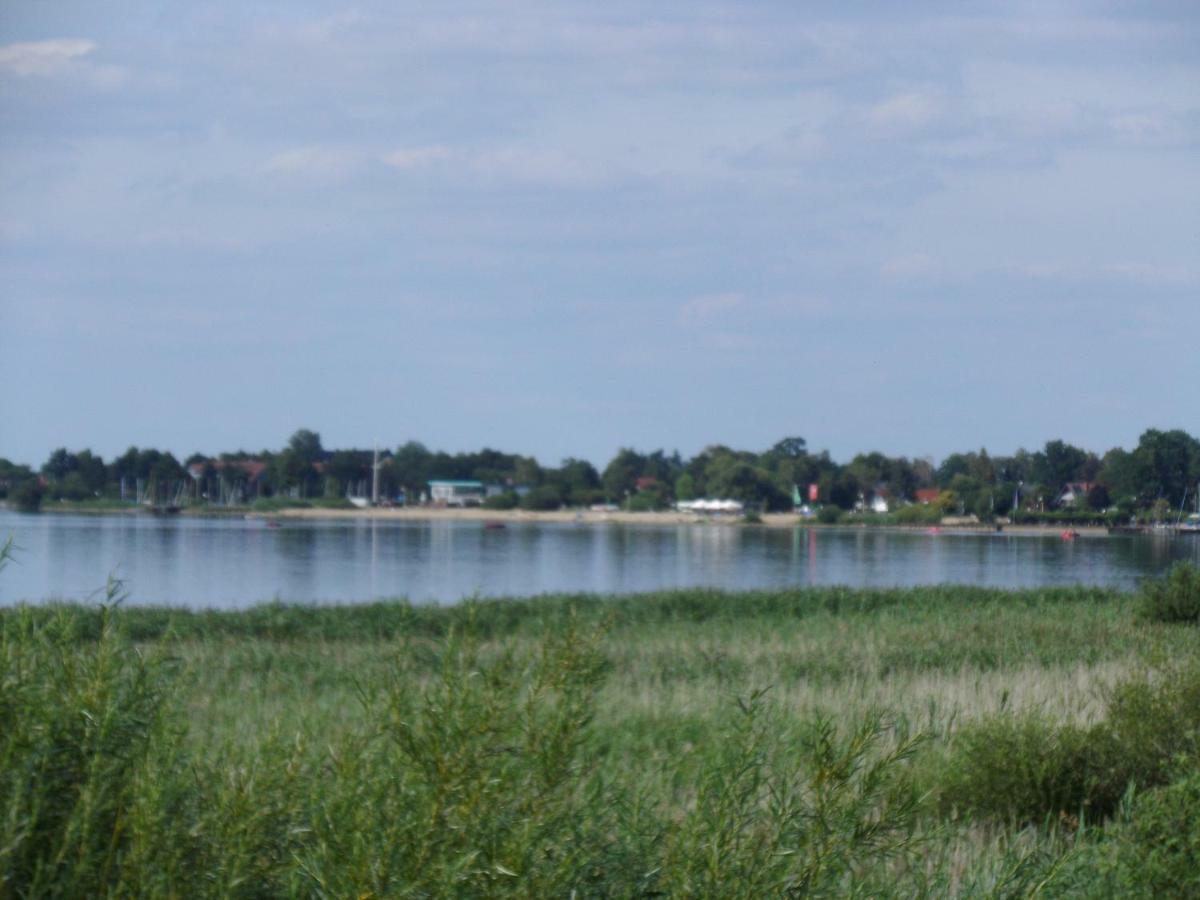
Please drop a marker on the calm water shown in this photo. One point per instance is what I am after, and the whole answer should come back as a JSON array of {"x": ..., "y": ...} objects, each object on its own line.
[{"x": 236, "y": 562}]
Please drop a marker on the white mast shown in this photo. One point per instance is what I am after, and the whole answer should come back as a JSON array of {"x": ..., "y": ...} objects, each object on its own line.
[{"x": 375, "y": 477}]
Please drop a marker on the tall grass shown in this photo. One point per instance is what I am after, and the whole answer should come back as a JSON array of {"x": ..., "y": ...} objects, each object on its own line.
[{"x": 692, "y": 743}]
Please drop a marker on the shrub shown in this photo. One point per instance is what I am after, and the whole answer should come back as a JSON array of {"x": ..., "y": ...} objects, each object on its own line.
[
  {"x": 1173, "y": 598},
  {"x": 793, "y": 824},
  {"x": 1158, "y": 849},
  {"x": 76, "y": 725},
  {"x": 829, "y": 515},
  {"x": 542, "y": 498},
  {"x": 919, "y": 514},
  {"x": 1027, "y": 768},
  {"x": 28, "y": 495},
  {"x": 506, "y": 500},
  {"x": 646, "y": 501}
]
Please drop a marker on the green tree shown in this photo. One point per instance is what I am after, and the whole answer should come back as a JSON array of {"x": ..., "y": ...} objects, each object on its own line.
[
  {"x": 621, "y": 474},
  {"x": 60, "y": 464},
  {"x": 1059, "y": 463},
  {"x": 1165, "y": 465},
  {"x": 306, "y": 445},
  {"x": 27, "y": 495},
  {"x": 685, "y": 487}
]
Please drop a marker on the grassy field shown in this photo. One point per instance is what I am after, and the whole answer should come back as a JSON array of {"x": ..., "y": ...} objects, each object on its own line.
[{"x": 944, "y": 741}]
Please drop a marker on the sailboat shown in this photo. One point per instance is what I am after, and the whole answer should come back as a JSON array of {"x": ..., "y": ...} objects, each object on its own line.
[
  {"x": 1191, "y": 525},
  {"x": 361, "y": 502}
]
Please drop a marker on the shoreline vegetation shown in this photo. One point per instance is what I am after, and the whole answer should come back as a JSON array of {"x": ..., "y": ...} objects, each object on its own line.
[
  {"x": 337, "y": 511},
  {"x": 937, "y": 741},
  {"x": 1155, "y": 484}
]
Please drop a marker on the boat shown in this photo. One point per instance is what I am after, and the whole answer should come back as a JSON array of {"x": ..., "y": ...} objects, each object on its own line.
[{"x": 1190, "y": 525}]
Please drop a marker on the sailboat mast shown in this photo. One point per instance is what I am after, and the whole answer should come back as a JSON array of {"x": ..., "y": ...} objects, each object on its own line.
[{"x": 375, "y": 477}]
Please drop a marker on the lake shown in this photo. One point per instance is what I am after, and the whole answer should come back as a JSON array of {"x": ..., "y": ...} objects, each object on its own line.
[{"x": 233, "y": 562}]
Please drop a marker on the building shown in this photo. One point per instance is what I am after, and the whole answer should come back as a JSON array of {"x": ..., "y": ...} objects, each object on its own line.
[
  {"x": 925, "y": 496},
  {"x": 1073, "y": 493},
  {"x": 456, "y": 493}
]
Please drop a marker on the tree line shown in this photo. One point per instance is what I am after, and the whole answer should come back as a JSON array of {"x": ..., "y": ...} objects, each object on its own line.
[{"x": 1156, "y": 476}]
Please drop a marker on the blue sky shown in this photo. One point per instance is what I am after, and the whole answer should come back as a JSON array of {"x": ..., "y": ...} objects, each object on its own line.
[{"x": 561, "y": 227}]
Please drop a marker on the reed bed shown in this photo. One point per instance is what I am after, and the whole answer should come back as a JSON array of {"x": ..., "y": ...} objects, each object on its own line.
[{"x": 945, "y": 741}]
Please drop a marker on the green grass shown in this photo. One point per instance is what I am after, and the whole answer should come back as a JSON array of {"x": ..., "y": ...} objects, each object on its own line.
[{"x": 825, "y": 742}]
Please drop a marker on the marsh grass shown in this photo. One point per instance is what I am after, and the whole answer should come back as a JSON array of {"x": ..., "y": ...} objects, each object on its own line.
[
  {"x": 1174, "y": 598},
  {"x": 688, "y": 743}
]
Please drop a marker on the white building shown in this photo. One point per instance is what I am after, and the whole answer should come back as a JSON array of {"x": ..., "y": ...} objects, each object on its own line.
[{"x": 456, "y": 493}]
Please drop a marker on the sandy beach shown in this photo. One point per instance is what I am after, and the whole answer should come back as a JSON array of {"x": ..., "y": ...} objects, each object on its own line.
[{"x": 667, "y": 517}]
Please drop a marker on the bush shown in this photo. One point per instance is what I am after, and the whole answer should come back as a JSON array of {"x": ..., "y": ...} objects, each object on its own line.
[
  {"x": 919, "y": 514},
  {"x": 1173, "y": 598},
  {"x": 810, "y": 824},
  {"x": 1157, "y": 851},
  {"x": 542, "y": 499},
  {"x": 829, "y": 515},
  {"x": 646, "y": 501},
  {"x": 501, "y": 501},
  {"x": 1027, "y": 768},
  {"x": 28, "y": 495},
  {"x": 76, "y": 727}
]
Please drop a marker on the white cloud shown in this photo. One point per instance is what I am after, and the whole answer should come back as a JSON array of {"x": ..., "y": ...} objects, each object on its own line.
[
  {"x": 699, "y": 309},
  {"x": 730, "y": 342},
  {"x": 417, "y": 157},
  {"x": 1151, "y": 274},
  {"x": 44, "y": 57},
  {"x": 545, "y": 166},
  {"x": 316, "y": 161},
  {"x": 906, "y": 112},
  {"x": 910, "y": 266}
]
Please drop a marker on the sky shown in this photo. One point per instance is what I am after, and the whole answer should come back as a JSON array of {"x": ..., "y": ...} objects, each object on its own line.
[{"x": 560, "y": 228}]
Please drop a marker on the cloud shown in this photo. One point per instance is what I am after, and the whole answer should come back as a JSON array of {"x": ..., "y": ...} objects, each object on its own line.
[
  {"x": 903, "y": 113},
  {"x": 730, "y": 342},
  {"x": 535, "y": 165},
  {"x": 44, "y": 57},
  {"x": 700, "y": 309},
  {"x": 1150, "y": 274},
  {"x": 910, "y": 267},
  {"x": 417, "y": 157},
  {"x": 316, "y": 161}
]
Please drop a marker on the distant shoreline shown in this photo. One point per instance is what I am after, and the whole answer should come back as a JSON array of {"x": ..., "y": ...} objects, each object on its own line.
[
  {"x": 666, "y": 517},
  {"x": 576, "y": 517}
]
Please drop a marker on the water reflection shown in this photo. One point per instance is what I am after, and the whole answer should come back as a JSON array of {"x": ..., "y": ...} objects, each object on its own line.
[{"x": 228, "y": 562}]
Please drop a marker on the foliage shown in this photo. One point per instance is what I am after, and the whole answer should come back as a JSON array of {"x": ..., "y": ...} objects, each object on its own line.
[
  {"x": 544, "y": 497},
  {"x": 829, "y": 515},
  {"x": 1173, "y": 598},
  {"x": 28, "y": 495},
  {"x": 806, "y": 825},
  {"x": 507, "y": 500},
  {"x": 1162, "y": 469},
  {"x": 920, "y": 514},
  {"x": 1029, "y": 769},
  {"x": 76, "y": 730},
  {"x": 1156, "y": 851},
  {"x": 470, "y": 770}
]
